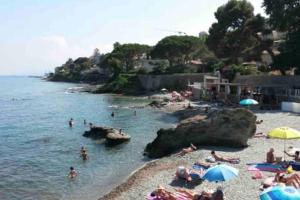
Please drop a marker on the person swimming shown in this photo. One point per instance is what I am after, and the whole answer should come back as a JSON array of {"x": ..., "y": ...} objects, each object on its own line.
[
  {"x": 71, "y": 123},
  {"x": 72, "y": 173},
  {"x": 112, "y": 114},
  {"x": 84, "y": 155}
]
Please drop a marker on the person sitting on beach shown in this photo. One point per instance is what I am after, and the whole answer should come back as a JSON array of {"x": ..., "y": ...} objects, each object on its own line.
[
  {"x": 296, "y": 156},
  {"x": 71, "y": 122},
  {"x": 187, "y": 174},
  {"x": 184, "y": 151},
  {"x": 72, "y": 173},
  {"x": 224, "y": 159},
  {"x": 270, "y": 156}
]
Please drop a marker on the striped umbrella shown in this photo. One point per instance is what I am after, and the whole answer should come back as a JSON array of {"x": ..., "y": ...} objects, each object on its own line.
[{"x": 280, "y": 193}]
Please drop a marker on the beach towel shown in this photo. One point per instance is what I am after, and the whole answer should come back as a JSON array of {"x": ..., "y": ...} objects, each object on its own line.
[
  {"x": 295, "y": 165},
  {"x": 265, "y": 167},
  {"x": 257, "y": 174},
  {"x": 198, "y": 166}
]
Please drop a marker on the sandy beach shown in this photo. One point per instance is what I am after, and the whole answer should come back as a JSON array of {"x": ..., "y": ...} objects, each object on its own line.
[{"x": 161, "y": 171}]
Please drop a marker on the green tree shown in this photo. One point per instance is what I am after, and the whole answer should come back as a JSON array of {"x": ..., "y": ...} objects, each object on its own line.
[
  {"x": 129, "y": 53},
  {"x": 233, "y": 37},
  {"x": 285, "y": 16},
  {"x": 179, "y": 49}
]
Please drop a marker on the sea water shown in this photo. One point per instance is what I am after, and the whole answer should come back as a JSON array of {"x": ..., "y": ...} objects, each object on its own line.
[{"x": 37, "y": 146}]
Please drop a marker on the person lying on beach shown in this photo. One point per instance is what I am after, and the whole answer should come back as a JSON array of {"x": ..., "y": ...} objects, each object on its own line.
[
  {"x": 216, "y": 195},
  {"x": 289, "y": 180},
  {"x": 259, "y": 135},
  {"x": 205, "y": 165},
  {"x": 184, "y": 151},
  {"x": 224, "y": 159},
  {"x": 72, "y": 174},
  {"x": 296, "y": 156},
  {"x": 270, "y": 156},
  {"x": 163, "y": 194},
  {"x": 187, "y": 174},
  {"x": 259, "y": 121}
]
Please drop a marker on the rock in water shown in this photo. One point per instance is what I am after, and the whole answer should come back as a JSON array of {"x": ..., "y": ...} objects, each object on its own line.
[
  {"x": 112, "y": 136},
  {"x": 228, "y": 127}
]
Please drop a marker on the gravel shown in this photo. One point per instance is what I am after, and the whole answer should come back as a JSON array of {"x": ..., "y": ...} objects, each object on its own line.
[{"x": 161, "y": 172}]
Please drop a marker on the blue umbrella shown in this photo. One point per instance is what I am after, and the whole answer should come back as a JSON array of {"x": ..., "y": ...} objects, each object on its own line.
[
  {"x": 247, "y": 102},
  {"x": 280, "y": 193},
  {"x": 220, "y": 173}
]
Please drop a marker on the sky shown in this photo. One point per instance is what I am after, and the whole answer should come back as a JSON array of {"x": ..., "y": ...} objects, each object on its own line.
[{"x": 38, "y": 35}]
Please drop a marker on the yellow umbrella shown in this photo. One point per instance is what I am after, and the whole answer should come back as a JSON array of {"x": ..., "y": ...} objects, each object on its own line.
[{"x": 284, "y": 133}]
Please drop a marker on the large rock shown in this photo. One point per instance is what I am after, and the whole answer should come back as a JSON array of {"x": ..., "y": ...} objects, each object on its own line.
[
  {"x": 228, "y": 127},
  {"x": 112, "y": 136}
]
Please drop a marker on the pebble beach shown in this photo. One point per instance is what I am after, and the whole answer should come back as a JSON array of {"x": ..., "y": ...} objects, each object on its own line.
[{"x": 161, "y": 171}]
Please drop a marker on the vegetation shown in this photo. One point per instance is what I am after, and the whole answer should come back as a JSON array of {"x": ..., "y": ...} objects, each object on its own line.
[
  {"x": 233, "y": 38},
  {"x": 285, "y": 16},
  {"x": 237, "y": 37}
]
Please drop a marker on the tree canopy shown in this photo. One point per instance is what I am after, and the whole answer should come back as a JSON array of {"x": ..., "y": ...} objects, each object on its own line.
[
  {"x": 180, "y": 49},
  {"x": 233, "y": 37},
  {"x": 285, "y": 16},
  {"x": 123, "y": 56}
]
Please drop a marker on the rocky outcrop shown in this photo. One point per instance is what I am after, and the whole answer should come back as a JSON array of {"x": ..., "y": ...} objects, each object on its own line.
[
  {"x": 228, "y": 127},
  {"x": 111, "y": 135}
]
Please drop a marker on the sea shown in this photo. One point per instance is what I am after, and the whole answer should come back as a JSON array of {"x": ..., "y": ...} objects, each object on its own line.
[{"x": 38, "y": 147}]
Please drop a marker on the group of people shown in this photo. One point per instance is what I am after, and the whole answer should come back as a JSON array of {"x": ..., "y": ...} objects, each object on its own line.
[
  {"x": 162, "y": 193},
  {"x": 84, "y": 155},
  {"x": 272, "y": 159}
]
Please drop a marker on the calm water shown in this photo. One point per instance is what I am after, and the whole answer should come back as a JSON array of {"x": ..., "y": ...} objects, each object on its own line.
[{"x": 37, "y": 147}]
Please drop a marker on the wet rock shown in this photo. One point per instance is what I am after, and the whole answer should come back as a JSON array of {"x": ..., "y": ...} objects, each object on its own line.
[{"x": 112, "y": 136}]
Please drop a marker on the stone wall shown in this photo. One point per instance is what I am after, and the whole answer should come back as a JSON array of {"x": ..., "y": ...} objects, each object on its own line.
[
  {"x": 169, "y": 81},
  {"x": 268, "y": 80}
]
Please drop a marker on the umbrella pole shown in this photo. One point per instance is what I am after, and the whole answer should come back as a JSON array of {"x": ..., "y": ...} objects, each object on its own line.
[{"x": 284, "y": 150}]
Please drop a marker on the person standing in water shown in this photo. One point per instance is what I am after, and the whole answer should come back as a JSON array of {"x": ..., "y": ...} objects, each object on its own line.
[
  {"x": 84, "y": 154},
  {"x": 134, "y": 113},
  {"x": 72, "y": 174},
  {"x": 84, "y": 122},
  {"x": 71, "y": 122}
]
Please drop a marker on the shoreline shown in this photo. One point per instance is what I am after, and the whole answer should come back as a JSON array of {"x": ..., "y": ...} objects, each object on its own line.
[{"x": 161, "y": 171}]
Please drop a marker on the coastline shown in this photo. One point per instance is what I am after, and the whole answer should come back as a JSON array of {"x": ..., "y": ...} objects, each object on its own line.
[{"x": 138, "y": 184}]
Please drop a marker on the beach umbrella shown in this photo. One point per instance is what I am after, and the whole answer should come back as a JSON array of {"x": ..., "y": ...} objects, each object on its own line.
[
  {"x": 284, "y": 133},
  {"x": 280, "y": 193},
  {"x": 248, "y": 102},
  {"x": 220, "y": 172}
]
